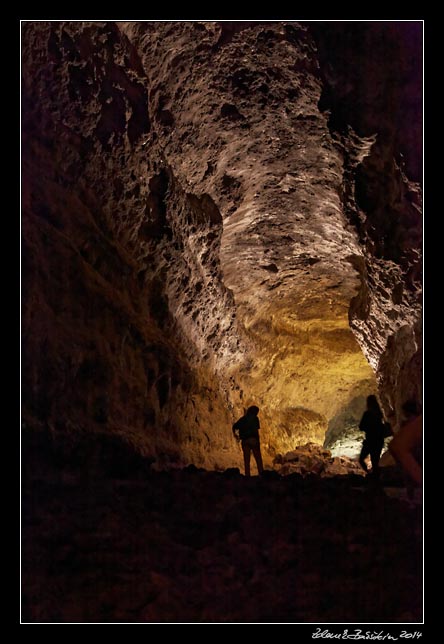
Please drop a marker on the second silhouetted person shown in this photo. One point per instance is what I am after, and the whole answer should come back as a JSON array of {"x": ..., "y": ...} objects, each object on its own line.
[{"x": 372, "y": 423}]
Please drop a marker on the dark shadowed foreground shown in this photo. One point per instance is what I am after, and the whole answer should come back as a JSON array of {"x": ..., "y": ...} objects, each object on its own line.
[{"x": 106, "y": 539}]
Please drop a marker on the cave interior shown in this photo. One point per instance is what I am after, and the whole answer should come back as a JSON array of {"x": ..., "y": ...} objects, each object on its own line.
[{"x": 217, "y": 215}]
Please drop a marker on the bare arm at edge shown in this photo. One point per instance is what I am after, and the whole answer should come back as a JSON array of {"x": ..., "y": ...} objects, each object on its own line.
[{"x": 403, "y": 444}]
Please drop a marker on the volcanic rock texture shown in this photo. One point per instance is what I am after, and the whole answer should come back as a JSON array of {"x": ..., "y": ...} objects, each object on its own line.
[{"x": 216, "y": 215}]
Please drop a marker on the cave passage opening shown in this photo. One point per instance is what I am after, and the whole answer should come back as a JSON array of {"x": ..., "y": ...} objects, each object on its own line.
[{"x": 311, "y": 380}]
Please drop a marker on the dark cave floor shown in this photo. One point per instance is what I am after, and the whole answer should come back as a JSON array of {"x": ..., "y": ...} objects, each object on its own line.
[
  {"x": 206, "y": 547},
  {"x": 197, "y": 546}
]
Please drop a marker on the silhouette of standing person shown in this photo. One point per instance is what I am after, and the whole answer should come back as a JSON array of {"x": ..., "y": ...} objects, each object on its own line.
[
  {"x": 372, "y": 423},
  {"x": 248, "y": 427}
]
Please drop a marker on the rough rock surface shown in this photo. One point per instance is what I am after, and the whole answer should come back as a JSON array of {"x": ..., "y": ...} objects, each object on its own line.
[
  {"x": 204, "y": 220},
  {"x": 197, "y": 546},
  {"x": 377, "y": 99},
  {"x": 313, "y": 459}
]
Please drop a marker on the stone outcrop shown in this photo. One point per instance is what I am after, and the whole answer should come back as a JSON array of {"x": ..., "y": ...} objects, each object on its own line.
[
  {"x": 208, "y": 224},
  {"x": 312, "y": 459}
]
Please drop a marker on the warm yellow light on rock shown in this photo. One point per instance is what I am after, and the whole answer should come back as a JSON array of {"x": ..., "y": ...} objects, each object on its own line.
[{"x": 305, "y": 373}]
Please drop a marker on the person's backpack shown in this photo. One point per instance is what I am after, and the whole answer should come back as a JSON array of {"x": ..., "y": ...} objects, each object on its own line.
[{"x": 247, "y": 426}]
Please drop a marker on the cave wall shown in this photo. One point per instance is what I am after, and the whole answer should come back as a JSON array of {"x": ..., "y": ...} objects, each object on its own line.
[
  {"x": 372, "y": 91},
  {"x": 200, "y": 233},
  {"x": 102, "y": 346}
]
